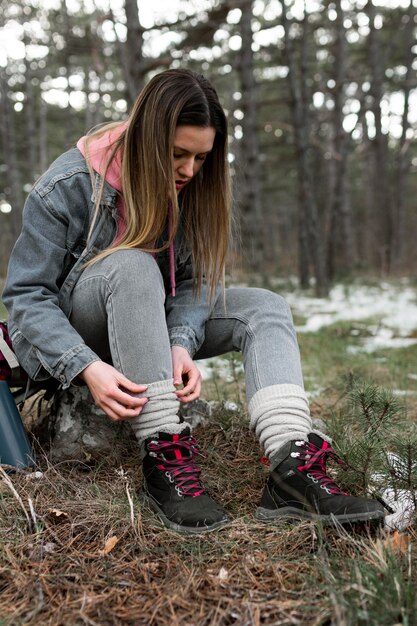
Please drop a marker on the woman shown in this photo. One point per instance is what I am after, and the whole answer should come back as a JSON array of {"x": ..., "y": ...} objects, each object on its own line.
[{"x": 116, "y": 280}]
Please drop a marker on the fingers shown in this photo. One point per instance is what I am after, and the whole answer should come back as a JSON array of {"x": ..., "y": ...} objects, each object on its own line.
[
  {"x": 126, "y": 399},
  {"x": 192, "y": 388},
  {"x": 177, "y": 374},
  {"x": 112, "y": 391},
  {"x": 121, "y": 406},
  {"x": 185, "y": 371},
  {"x": 129, "y": 385},
  {"x": 118, "y": 412}
]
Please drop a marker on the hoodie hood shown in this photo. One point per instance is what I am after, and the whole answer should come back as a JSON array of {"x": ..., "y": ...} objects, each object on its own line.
[{"x": 98, "y": 151}]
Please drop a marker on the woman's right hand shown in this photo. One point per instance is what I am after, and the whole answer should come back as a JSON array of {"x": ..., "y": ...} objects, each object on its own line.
[{"x": 107, "y": 386}]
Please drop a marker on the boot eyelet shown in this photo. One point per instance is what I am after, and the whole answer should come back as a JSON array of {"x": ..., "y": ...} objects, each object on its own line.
[{"x": 295, "y": 455}]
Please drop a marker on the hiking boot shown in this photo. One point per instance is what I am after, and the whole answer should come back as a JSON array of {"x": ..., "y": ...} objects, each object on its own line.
[
  {"x": 172, "y": 484},
  {"x": 299, "y": 487}
]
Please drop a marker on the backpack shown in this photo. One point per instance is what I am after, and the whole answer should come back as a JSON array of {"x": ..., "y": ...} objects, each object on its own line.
[{"x": 10, "y": 369}]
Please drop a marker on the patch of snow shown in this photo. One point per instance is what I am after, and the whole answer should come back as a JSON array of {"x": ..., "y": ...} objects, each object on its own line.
[
  {"x": 402, "y": 502},
  {"x": 395, "y": 307},
  {"x": 230, "y": 406},
  {"x": 380, "y": 342},
  {"x": 314, "y": 393},
  {"x": 222, "y": 367}
]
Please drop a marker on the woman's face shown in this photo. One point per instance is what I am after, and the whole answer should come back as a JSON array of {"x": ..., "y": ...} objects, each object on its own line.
[{"x": 191, "y": 147}]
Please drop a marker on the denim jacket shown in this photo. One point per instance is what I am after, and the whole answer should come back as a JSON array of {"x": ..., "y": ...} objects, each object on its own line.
[{"x": 48, "y": 259}]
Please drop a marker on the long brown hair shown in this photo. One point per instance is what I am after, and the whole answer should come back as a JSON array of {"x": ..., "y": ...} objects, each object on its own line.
[{"x": 173, "y": 98}]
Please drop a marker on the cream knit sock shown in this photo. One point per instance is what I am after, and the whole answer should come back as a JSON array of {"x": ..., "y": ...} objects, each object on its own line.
[
  {"x": 160, "y": 413},
  {"x": 278, "y": 414}
]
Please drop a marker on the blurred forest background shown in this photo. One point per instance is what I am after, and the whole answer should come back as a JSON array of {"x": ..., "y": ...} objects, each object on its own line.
[{"x": 321, "y": 99}]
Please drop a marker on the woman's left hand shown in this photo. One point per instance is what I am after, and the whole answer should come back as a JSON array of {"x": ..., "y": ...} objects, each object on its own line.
[{"x": 185, "y": 372}]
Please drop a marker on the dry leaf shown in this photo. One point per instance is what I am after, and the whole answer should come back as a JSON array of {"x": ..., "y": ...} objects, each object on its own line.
[
  {"x": 58, "y": 513},
  {"x": 223, "y": 574},
  {"x": 109, "y": 545},
  {"x": 397, "y": 542}
]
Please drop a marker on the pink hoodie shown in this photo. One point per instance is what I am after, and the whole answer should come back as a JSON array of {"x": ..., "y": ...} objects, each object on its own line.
[{"x": 98, "y": 152}]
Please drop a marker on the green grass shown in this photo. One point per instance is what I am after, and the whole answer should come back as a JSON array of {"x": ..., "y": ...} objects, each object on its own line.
[{"x": 327, "y": 359}]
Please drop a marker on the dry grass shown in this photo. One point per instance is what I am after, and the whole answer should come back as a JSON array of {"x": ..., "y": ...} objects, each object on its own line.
[{"x": 81, "y": 548}]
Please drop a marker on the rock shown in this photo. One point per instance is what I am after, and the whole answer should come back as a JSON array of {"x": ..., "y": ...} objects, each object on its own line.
[
  {"x": 196, "y": 413},
  {"x": 319, "y": 425},
  {"x": 79, "y": 430}
]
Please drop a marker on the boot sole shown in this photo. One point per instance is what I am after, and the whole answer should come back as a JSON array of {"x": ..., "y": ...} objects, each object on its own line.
[
  {"x": 179, "y": 528},
  {"x": 269, "y": 515}
]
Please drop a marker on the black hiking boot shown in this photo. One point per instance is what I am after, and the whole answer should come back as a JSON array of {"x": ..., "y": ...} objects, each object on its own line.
[
  {"x": 172, "y": 485},
  {"x": 299, "y": 487}
]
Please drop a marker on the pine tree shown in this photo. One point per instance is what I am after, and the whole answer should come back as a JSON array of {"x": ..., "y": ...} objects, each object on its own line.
[{"x": 377, "y": 442}]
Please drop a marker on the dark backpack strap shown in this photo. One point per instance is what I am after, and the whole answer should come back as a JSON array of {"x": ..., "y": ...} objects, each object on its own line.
[
  {"x": 6, "y": 352},
  {"x": 10, "y": 371}
]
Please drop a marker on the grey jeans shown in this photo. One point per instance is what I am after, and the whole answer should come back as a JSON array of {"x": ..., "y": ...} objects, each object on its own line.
[{"x": 118, "y": 309}]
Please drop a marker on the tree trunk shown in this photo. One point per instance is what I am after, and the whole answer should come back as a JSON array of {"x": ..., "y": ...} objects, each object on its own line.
[
  {"x": 88, "y": 117},
  {"x": 43, "y": 134},
  {"x": 382, "y": 205},
  {"x": 340, "y": 248},
  {"x": 309, "y": 218},
  {"x": 250, "y": 197},
  {"x": 69, "y": 125},
  {"x": 30, "y": 116},
  {"x": 14, "y": 192},
  {"x": 403, "y": 160},
  {"x": 134, "y": 68}
]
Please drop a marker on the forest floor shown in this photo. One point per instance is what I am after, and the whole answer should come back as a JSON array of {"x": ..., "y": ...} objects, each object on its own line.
[{"x": 78, "y": 546}]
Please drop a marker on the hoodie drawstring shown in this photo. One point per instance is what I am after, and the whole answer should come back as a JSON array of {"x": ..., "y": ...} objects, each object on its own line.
[{"x": 171, "y": 252}]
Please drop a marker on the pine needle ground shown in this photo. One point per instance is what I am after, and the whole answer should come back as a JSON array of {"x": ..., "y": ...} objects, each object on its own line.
[{"x": 78, "y": 546}]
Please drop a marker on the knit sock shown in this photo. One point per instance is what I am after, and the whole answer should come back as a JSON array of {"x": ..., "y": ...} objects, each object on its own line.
[
  {"x": 278, "y": 414},
  {"x": 160, "y": 413}
]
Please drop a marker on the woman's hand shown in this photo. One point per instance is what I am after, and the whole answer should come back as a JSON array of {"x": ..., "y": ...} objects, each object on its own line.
[
  {"x": 107, "y": 386},
  {"x": 185, "y": 372}
]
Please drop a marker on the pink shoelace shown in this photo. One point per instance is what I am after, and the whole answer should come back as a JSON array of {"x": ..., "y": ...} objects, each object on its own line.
[
  {"x": 180, "y": 466},
  {"x": 315, "y": 464}
]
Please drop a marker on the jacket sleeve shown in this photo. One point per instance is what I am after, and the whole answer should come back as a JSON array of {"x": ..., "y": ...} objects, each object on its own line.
[
  {"x": 187, "y": 313},
  {"x": 31, "y": 295}
]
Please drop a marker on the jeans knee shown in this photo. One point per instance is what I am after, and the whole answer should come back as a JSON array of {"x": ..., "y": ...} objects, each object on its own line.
[
  {"x": 270, "y": 303},
  {"x": 132, "y": 269}
]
